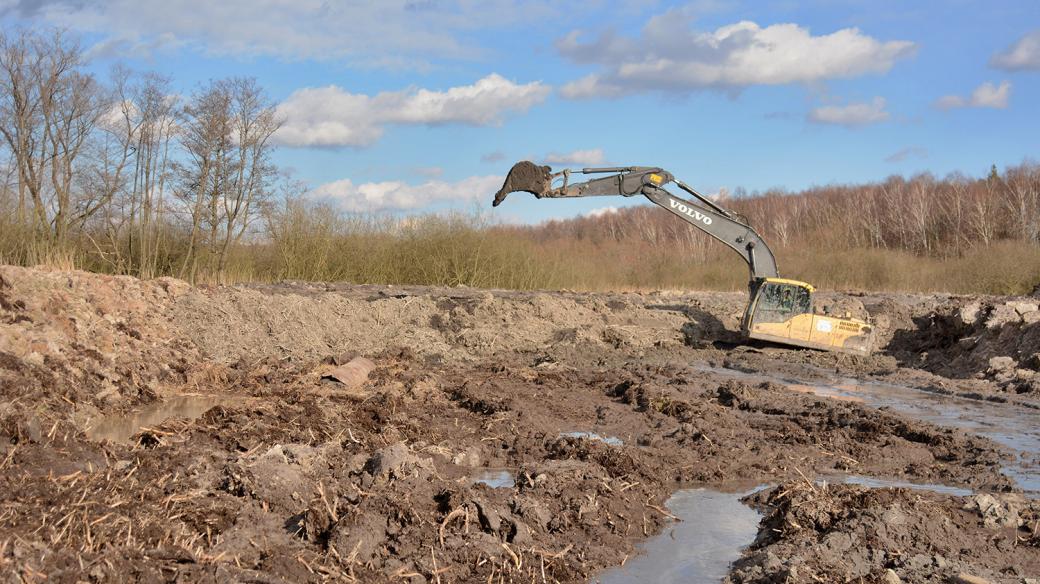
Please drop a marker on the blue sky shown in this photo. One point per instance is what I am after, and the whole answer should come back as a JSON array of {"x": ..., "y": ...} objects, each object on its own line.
[{"x": 411, "y": 106}]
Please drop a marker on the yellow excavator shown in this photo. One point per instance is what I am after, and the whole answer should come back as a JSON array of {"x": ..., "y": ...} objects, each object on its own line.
[{"x": 779, "y": 310}]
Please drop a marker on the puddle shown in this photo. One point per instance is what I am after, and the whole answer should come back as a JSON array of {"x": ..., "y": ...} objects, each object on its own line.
[
  {"x": 611, "y": 440},
  {"x": 1009, "y": 425},
  {"x": 876, "y": 483},
  {"x": 495, "y": 478},
  {"x": 1012, "y": 426},
  {"x": 715, "y": 529},
  {"x": 802, "y": 388},
  {"x": 121, "y": 428}
]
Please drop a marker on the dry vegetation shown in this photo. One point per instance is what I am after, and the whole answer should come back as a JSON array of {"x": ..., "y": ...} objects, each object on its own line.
[
  {"x": 118, "y": 176},
  {"x": 956, "y": 234}
]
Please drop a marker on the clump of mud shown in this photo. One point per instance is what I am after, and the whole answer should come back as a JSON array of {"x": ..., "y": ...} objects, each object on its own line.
[
  {"x": 844, "y": 533},
  {"x": 993, "y": 340},
  {"x": 842, "y": 306},
  {"x": 527, "y": 177}
]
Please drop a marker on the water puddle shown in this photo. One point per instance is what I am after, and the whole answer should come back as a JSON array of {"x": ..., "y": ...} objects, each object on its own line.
[
  {"x": 495, "y": 478},
  {"x": 876, "y": 483},
  {"x": 715, "y": 529},
  {"x": 120, "y": 428},
  {"x": 803, "y": 388},
  {"x": 610, "y": 440},
  {"x": 1009, "y": 425}
]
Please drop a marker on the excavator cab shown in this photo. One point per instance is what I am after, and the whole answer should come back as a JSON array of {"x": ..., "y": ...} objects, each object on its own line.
[{"x": 781, "y": 311}]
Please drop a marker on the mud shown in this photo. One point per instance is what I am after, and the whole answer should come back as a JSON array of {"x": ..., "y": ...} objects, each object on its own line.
[
  {"x": 501, "y": 436},
  {"x": 846, "y": 533},
  {"x": 527, "y": 177}
]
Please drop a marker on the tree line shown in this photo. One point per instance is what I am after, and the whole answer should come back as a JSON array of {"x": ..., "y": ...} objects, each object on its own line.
[
  {"x": 114, "y": 166},
  {"x": 923, "y": 214}
]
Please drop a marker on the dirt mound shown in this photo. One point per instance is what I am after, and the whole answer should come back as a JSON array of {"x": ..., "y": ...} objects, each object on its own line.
[
  {"x": 234, "y": 323},
  {"x": 98, "y": 343},
  {"x": 844, "y": 533},
  {"x": 996, "y": 340}
]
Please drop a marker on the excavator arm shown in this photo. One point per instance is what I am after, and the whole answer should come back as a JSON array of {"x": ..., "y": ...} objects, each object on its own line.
[{"x": 629, "y": 181}]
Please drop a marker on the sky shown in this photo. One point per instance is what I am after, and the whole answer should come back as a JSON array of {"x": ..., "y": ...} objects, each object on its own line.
[{"x": 415, "y": 106}]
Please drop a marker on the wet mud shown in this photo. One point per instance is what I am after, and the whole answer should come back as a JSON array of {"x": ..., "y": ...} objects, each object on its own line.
[{"x": 500, "y": 436}]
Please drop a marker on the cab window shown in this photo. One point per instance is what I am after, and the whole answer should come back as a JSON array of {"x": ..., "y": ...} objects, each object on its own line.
[{"x": 780, "y": 302}]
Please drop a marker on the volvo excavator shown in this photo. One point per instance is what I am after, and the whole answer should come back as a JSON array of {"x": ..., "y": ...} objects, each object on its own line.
[{"x": 779, "y": 310}]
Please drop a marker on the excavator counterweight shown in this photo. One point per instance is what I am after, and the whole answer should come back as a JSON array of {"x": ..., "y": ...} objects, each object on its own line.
[{"x": 778, "y": 310}]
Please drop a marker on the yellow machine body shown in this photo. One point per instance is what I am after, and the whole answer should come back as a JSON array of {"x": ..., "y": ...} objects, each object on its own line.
[{"x": 781, "y": 311}]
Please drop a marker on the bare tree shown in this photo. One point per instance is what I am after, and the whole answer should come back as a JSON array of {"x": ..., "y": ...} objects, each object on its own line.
[
  {"x": 229, "y": 174},
  {"x": 48, "y": 111},
  {"x": 1021, "y": 188}
]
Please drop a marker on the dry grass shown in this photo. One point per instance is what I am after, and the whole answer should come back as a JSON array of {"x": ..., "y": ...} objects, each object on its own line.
[{"x": 317, "y": 243}]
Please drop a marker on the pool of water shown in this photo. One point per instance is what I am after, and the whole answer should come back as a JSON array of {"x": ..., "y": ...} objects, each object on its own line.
[
  {"x": 120, "y": 428},
  {"x": 1016, "y": 427},
  {"x": 714, "y": 529},
  {"x": 495, "y": 478},
  {"x": 876, "y": 483},
  {"x": 611, "y": 440}
]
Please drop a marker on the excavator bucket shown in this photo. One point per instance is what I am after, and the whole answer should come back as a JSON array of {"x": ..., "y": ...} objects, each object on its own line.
[{"x": 528, "y": 177}]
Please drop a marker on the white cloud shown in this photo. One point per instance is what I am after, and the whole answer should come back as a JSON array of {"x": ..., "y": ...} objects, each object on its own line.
[
  {"x": 429, "y": 171},
  {"x": 907, "y": 153},
  {"x": 853, "y": 114},
  {"x": 332, "y": 116},
  {"x": 985, "y": 95},
  {"x": 377, "y": 34},
  {"x": 601, "y": 212},
  {"x": 1023, "y": 55},
  {"x": 593, "y": 157},
  {"x": 400, "y": 196},
  {"x": 496, "y": 156},
  {"x": 669, "y": 56}
]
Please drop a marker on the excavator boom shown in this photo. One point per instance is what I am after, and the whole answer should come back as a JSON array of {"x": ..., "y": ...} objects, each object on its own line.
[{"x": 649, "y": 181}]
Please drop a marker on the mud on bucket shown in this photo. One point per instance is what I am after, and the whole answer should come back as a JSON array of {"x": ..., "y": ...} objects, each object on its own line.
[{"x": 528, "y": 177}]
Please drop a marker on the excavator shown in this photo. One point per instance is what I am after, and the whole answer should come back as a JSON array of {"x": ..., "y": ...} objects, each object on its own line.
[{"x": 779, "y": 310}]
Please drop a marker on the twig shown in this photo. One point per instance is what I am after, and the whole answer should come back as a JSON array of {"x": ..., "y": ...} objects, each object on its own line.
[
  {"x": 516, "y": 558},
  {"x": 806, "y": 479},
  {"x": 662, "y": 511},
  {"x": 444, "y": 524}
]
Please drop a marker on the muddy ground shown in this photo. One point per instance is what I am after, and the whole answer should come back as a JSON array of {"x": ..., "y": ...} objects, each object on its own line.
[{"x": 287, "y": 475}]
